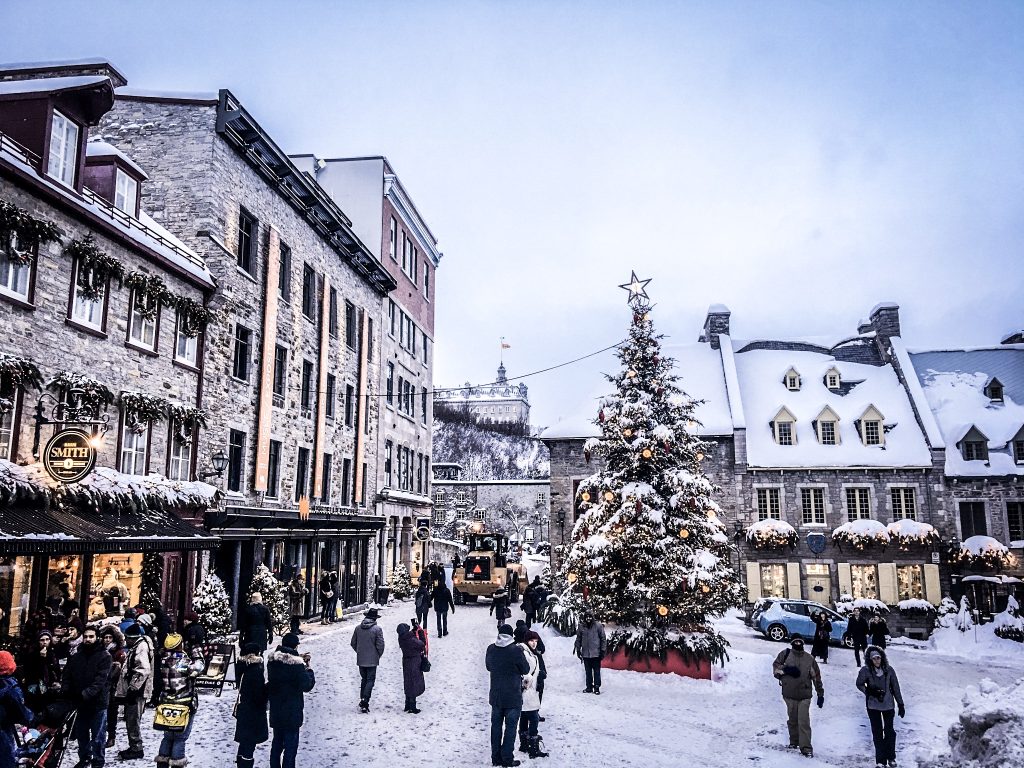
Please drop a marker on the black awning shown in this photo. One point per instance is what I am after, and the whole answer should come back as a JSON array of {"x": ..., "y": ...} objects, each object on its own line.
[
  {"x": 57, "y": 530},
  {"x": 245, "y": 522}
]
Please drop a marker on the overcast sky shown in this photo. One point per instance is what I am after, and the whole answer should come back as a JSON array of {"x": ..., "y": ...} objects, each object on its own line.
[{"x": 799, "y": 162}]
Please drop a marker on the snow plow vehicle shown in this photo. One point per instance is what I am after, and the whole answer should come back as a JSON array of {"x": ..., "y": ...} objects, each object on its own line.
[{"x": 485, "y": 569}]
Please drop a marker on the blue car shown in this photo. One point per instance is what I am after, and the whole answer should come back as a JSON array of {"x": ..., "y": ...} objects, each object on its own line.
[{"x": 780, "y": 619}]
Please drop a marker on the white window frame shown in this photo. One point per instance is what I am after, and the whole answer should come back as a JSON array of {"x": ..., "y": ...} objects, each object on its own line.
[
  {"x": 186, "y": 348},
  {"x": 835, "y": 432},
  {"x": 179, "y": 458},
  {"x": 63, "y": 157},
  {"x": 814, "y": 491},
  {"x": 134, "y": 450},
  {"x": 898, "y": 495},
  {"x": 772, "y": 507},
  {"x": 83, "y": 309},
  {"x": 872, "y": 439},
  {"x": 14, "y": 274},
  {"x": 861, "y": 492},
  {"x": 788, "y": 427},
  {"x": 138, "y": 324},
  {"x": 126, "y": 193},
  {"x": 8, "y": 428}
]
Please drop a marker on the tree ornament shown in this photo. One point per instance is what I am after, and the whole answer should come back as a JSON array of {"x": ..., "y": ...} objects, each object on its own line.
[
  {"x": 646, "y": 453},
  {"x": 627, "y": 433},
  {"x": 700, "y": 456},
  {"x": 705, "y": 589},
  {"x": 585, "y": 496},
  {"x": 609, "y": 496},
  {"x": 660, "y": 390},
  {"x": 683, "y": 533},
  {"x": 712, "y": 515},
  {"x": 630, "y": 374},
  {"x": 656, "y": 359},
  {"x": 600, "y": 415},
  {"x": 663, "y": 610},
  {"x": 570, "y": 577}
]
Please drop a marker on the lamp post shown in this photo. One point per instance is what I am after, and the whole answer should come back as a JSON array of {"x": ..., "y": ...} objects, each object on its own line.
[
  {"x": 737, "y": 536},
  {"x": 219, "y": 462}
]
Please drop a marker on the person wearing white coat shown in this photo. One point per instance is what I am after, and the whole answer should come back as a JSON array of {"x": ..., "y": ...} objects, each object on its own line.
[{"x": 530, "y": 716}]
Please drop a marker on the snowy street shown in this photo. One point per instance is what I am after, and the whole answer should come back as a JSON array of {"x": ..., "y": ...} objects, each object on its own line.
[{"x": 654, "y": 720}]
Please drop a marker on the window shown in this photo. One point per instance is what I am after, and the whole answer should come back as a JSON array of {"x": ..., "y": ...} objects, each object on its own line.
[
  {"x": 426, "y": 282},
  {"x": 1018, "y": 451},
  {"x": 423, "y": 405},
  {"x": 785, "y": 431},
  {"x": 15, "y": 275},
  {"x": 346, "y": 482},
  {"x": 142, "y": 321},
  {"x": 243, "y": 346},
  {"x": 972, "y": 519},
  {"x": 308, "y": 292},
  {"x": 280, "y": 374},
  {"x": 812, "y": 502},
  {"x": 236, "y": 460},
  {"x": 179, "y": 457},
  {"x": 1014, "y": 518},
  {"x": 783, "y": 427},
  {"x": 134, "y": 447},
  {"x": 7, "y": 431},
  {"x": 438, "y": 497},
  {"x": 391, "y": 318},
  {"x": 84, "y": 310},
  {"x": 419, "y": 473},
  {"x": 350, "y": 324},
  {"x": 405, "y": 253},
  {"x": 329, "y": 404},
  {"x": 827, "y": 432},
  {"x": 245, "y": 252},
  {"x": 186, "y": 348},
  {"x": 872, "y": 432},
  {"x": 302, "y": 474},
  {"x": 332, "y": 313},
  {"x": 858, "y": 504},
  {"x": 389, "y": 449},
  {"x": 274, "y": 469},
  {"x": 768, "y": 504},
  {"x": 773, "y": 580},
  {"x": 126, "y": 193},
  {"x": 425, "y": 361},
  {"x": 306, "y": 394},
  {"x": 910, "y": 582},
  {"x": 975, "y": 450},
  {"x": 832, "y": 380},
  {"x": 994, "y": 390},
  {"x": 904, "y": 503},
  {"x": 393, "y": 242},
  {"x": 369, "y": 337},
  {"x": 389, "y": 385},
  {"x": 63, "y": 160},
  {"x": 350, "y": 405},
  {"x": 325, "y": 480},
  {"x": 864, "y": 582},
  {"x": 793, "y": 382},
  {"x": 284, "y": 273}
]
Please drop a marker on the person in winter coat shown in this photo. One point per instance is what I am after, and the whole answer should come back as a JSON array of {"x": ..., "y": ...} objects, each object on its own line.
[
  {"x": 134, "y": 688},
  {"x": 289, "y": 678},
  {"x": 442, "y": 599},
  {"x": 413, "y": 651},
  {"x": 879, "y": 630},
  {"x": 882, "y": 695},
  {"x": 421, "y": 632},
  {"x": 326, "y": 594},
  {"x": 251, "y": 711},
  {"x": 39, "y": 673},
  {"x": 332, "y": 609},
  {"x": 423, "y": 601},
  {"x": 368, "y": 643},
  {"x": 513, "y": 586},
  {"x": 507, "y": 665},
  {"x": 530, "y": 602},
  {"x": 255, "y": 624},
  {"x": 529, "y": 740},
  {"x": 86, "y": 683},
  {"x": 178, "y": 669},
  {"x": 195, "y": 632},
  {"x": 113, "y": 641},
  {"x": 822, "y": 636},
  {"x": 798, "y": 674},
  {"x": 12, "y": 711},
  {"x": 590, "y": 646},
  {"x": 499, "y": 606},
  {"x": 857, "y": 629},
  {"x": 297, "y": 591}
]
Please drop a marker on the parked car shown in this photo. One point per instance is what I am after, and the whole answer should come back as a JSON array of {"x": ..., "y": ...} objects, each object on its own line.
[{"x": 780, "y": 619}]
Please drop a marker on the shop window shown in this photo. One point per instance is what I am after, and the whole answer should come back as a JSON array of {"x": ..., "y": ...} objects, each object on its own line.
[
  {"x": 15, "y": 583},
  {"x": 773, "y": 580},
  {"x": 910, "y": 582},
  {"x": 864, "y": 581},
  {"x": 63, "y": 584},
  {"x": 768, "y": 504},
  {"x": 116, "y": 584}
]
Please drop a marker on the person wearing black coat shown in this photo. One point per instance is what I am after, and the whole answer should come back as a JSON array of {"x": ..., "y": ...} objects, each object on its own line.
[
  {"x": 878, "y": 629},
  {"x": 255, "y": 624},
  {"x": 499, "y": 606},
  {"x": 86, "y": 683},
  {"x": 822, "y": 636},
  {"x": 332, "y": 609},
  {"x": 442, "y": 599},
  {"x": 507, "y": 665},
  {"x": 251, "y": 713},
  {"x": 289, "y": 678},
  {"x": 413, "y": 651},
  {"x": 857, "y": 629},
  {"x": 195, "y": 632},
  {"x": 422, "y": 602}
]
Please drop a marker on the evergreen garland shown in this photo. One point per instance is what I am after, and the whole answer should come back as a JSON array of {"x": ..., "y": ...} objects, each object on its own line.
[
  {"x": 16, "y": 373},
  {"x": 141, "y": 409},
  {"x": 210, "y": 601},
  {"x": 152, "y": 579},
  {"x": 149, "y": 292},
  {"x": 194, "y": 317},
  {"x": 95, "y": 396},
  {"x": 186, "y": 420},
  {"x": 95, "y": 267},
  {"x": 18, "y": 225}
]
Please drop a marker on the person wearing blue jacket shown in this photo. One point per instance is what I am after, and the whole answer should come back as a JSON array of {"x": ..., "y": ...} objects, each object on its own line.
[
  {"x": 881, "y": 688},
  {"x": 12, "y": 711},
  {"x": 507, "y": 665},
  {"x": 289, "y": 678}
]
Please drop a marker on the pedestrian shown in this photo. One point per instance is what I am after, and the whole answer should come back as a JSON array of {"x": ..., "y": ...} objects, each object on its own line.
[
  {"x": 414, "y": 651},
  {"x": 878, "y": 629},
  {"x": 590, "y": 646},
  {"x": 513, "y": 586},
  {"x": 421, "y": 632},
  {"x": 297, "y": 591},
  {"x": 822, "y": 636},
  {"x": 326, "y": 593},
  {"x": 113, "y": 641},
  {"x": 368, "y": 643},
  {"x": 798, "y": 673},
  {"x": 12, "y": 711},
  {"x": 332, "y": 610},
  {"x": 195, "y": 633},
  {"x": 529, "y": 606},
  {"x": 857, "y": 629},
  {"x": 442, "y": 599},
  {"x": 255, "y": 624},
  {"x": 161, "y": 623},
  {"x": 456, "y": 562},
  {"x": 507, "y": 665},
  {"x": 499, "y": 606},
  {"x": 130, "y": 616},
  {"x": 39, "y": 673},
  {"x": 134, "y": 688},
  {"x": 289, "y": 678},
  {"x": 178, "y": 668},
  {"x": 423, "y": 602},
  {"x": 87, "y": 685},
  {"x": 529, "y": 739},
  {"x": 882, "y": 695},
  {"x": 251, "y": 707}
]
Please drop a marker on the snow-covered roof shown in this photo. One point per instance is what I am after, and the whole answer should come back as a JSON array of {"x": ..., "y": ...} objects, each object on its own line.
[
  {"x": 571, "y": 427},
  {"x": 702, "y": 377},
  {"x": 51, "y": 84},
  {"x": 759, "y": 374},
  {"x": 953, "y": 382},
  {"x": 100, "y": 148},
  {"x": 156, "y": 95}
]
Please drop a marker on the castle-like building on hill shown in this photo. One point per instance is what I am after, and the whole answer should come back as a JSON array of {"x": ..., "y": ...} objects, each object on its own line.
[{"x": 499, "y": 402}]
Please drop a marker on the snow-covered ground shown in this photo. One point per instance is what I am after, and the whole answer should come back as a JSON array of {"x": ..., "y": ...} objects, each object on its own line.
[{"x": 649, "y": 720}]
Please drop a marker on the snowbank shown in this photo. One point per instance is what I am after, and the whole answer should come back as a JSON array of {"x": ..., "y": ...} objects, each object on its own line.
[
  {"x": 979, "y": 641},
  {"x": 990, "y": 731}
]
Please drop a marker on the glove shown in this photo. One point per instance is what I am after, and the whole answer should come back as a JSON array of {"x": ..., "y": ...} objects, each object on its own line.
[
  {"x": 791, "y": 671},
  {"x": 902, "y": 711},
  {"x": 821, "y": 701}
]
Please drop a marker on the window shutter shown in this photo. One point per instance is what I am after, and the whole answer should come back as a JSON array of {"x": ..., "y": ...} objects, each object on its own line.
[
  {"x": 845, "y": 579},
  {"x": 753, "y": 581},
  {"x": 887, "y": 583},
  {"x": 932, "y": 585},
  {"x": 793, "y": 581}
]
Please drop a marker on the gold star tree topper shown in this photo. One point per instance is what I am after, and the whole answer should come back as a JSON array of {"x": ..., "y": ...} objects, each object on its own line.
[{"x": 637, "y": 289}]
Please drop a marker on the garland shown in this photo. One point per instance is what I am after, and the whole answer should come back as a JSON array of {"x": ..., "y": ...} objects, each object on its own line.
[
  {"x": 149, "y": 292},
  {"x": 194, "y": 316},
  {"x": 95, "y": 397},
  {"x": 30, "y": 232},
  {"x": 867, "y": 536},
  {"x": 141, "y": 409},
  {"x": 772, "y": 534},
  {"x": 16, "y": 373},
  {"x": 95, "y": 267},
  {"x": 187, "y": 420}
]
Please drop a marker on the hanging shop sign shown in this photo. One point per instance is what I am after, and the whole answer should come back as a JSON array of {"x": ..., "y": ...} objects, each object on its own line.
[
  {"x": 422, "y": 529},
  {"x": 69, "y": 456}
]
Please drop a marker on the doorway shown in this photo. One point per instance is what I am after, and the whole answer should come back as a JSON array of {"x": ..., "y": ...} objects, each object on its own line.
[{"x": 819, "y": 583}]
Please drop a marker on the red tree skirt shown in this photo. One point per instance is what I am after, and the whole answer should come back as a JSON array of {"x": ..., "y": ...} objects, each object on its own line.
[{"x": 674, "y": 663}]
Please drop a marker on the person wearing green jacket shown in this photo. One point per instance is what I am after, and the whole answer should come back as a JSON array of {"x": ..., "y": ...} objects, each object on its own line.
[{"x": 798, "y": 674}]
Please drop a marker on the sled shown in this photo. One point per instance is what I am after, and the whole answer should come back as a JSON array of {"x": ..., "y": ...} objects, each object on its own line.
[{"x": 219, "y": 657}]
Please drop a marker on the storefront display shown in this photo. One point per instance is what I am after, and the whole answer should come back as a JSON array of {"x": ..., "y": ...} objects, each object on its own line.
[
  {"x": 116, "y": 584},
  {"x": 15, "y": 581}
]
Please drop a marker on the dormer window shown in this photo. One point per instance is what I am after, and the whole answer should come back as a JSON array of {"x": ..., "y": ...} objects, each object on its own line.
[
  {"x": 827, "y": 427},
  {"x": 63, "y": 158},
  {"x": 994, "y": 390},
  {"x": 832, "y": 378},
  {"x": 784, "y": 427},
  {"x": 792, "y": 380},
  {"x": 869, "y": 425},
  {"x": 126, "y": 193},
  {"x": 974, "y": 445},
  {"x": 1018, "y": 450}
]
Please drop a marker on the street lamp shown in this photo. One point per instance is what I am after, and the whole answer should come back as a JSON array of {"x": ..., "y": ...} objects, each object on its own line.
[
  {"x": 219, "y": 462},
  {"x": 561, "y": 521}
]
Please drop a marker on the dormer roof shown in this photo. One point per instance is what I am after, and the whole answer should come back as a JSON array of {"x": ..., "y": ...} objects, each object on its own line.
[
  {"x": 827, "y": 414},
  {"x": 784, "y": 414},
  {"x": 88, "y": 97},
  {"x": 791, "y": 372},
  {"x": 101, "y": 150},
  {"x": 872, "y": 414}
]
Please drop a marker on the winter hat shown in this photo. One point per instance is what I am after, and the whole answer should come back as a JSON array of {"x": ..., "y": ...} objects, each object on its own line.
[
  {"x": 145, "y": 620},
  {"x": 290, "y": 640},
  {"x": 797, "y": 643},
  {"x": 7, "y": 665},
  {"x": 505, "y": 629},
  {"x": 255, "y": 597},
  {"x": 172, "y": 642},
  {"x": 250, "y": 649},
  {"x": 873, "y": 653},
  {"x": 76, "y": 623},
  {"x": 130, "y": 613},
  {"x": 133, "y": 630},
  {"x": 519, "y": 634},
  {"x": 404, "y": 629},
  {"x": 373, "y": 613},
  {"x": 192, "y": 616},
  {"x": 44, "y": 633},
  {"x": 531, "y": 635}
]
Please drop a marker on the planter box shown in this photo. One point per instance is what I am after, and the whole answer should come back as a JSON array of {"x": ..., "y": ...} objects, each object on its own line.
[{"x": 673, "y": 664}]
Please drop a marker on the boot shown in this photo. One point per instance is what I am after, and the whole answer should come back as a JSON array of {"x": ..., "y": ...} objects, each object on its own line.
[
  {"x": 130, "y": 754},
  {"x": 244, "y": 762},
  {"x": 537, "y": 748},
  {"x": 524, "y": 742},
  {"x": 364, "y": 705},
  {"x": 162, "y": 760},
  {"x": 178, "y": 762}
]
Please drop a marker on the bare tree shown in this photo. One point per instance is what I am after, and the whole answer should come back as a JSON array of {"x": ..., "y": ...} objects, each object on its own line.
[{"x": 510, "y": 518}]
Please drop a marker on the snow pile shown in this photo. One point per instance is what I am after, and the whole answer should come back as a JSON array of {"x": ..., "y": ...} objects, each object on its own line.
[
  {"x": 861, "y": 533},
  {"x": 915, "y": 605},
  {"x": 983, "y": 551},
  {"x": 846, "y": 603},
  {"x": 1009, "y": 625},
  {"x": 911, "y": 532},
  {"x": 990, "y": 731},
  {"x": 771, "y": 534}
]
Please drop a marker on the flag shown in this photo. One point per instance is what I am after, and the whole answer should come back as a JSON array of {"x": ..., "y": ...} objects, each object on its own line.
[{"x": 505, "y": 346}]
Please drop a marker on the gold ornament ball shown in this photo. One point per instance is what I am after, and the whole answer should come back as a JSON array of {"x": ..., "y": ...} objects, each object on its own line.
[
  {"x": 647, "y": 453},
  {"x": 585, "y": 496},
  {"x": 705, "y": 588},
  {"x": 627, "y": 432},
  {"x": 663, "y": 610},
  {"x": 609, "y": 496},
  {"x": 712, "y": 515},
  {"x": 700, "y": 456},
  {"x": 630, "y": 374},
  {"x": 570, "y": 577},
  {"x": 683, "y": 533}
]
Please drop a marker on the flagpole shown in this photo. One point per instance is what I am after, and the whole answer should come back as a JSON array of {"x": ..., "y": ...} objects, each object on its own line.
[{"x": 501, "y": 351}]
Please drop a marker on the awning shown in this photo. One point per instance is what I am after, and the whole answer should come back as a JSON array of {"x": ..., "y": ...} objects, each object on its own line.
[
  {"x": 56, "y": 530},
  {"x": 246, "y": 522}
]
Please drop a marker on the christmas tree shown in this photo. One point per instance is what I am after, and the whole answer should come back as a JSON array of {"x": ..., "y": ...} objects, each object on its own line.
[
  {"x": 399, "y": 582},
  {"x": 210, "y": 601},
  {"x": 649, "y": 554},
  {"x": 152, "y": 579},
  {"x": 275, "y": 597}
]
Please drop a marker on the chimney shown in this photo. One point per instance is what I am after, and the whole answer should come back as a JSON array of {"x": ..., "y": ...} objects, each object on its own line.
[
  {"x": 71, "y": 68},
  {"x": 885, "y": 320},
  {"x": 715, "y": 324}
]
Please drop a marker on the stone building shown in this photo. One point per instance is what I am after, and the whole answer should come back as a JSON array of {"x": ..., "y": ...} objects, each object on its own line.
[
  {"x": 499, "y": 402},
  {"x": 386, "y": 219},
  {"x": 105, "y": 318},
  {"x": 294, "y": 359}
]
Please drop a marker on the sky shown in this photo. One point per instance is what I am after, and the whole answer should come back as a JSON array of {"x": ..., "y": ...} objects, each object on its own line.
[{"x": 799, "y": 162}]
